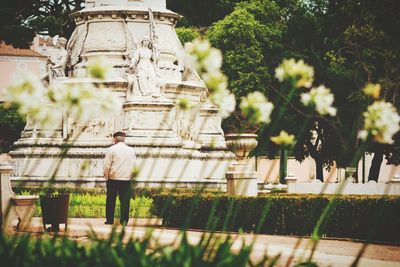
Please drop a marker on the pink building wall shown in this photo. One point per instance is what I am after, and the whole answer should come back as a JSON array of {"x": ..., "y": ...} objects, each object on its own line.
[{"x": 11, "y": 65}]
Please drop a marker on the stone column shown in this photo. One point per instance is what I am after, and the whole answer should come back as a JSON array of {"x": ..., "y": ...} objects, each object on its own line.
[
  {"x": 241, "y": 176},
  {"x": 6, "y": 193}
]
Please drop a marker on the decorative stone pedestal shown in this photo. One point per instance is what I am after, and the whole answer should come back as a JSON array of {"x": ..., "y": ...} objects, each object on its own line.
[
  {"x": 150, "y": 118},
  {"x": 241, "y": 177},
  {"x": 241, "y": 180},
  {"x": 13, "y": 207}
]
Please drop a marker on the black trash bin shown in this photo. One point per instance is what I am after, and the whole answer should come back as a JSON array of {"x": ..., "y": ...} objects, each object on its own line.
[{"x": 54, "y": 210}]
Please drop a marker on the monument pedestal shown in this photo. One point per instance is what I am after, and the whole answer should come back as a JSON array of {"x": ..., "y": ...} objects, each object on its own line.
[
  {"x": 241, "y": 176},
  {"x": 241, "y": 179}
]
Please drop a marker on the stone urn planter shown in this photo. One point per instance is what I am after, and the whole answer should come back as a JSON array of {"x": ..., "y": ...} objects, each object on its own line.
[
  {"x": 241, "y": 176},
  {"x": 346, "y": 173},
  {"x": 54, "y": 210},
  {"x": 241, "y": 144}
]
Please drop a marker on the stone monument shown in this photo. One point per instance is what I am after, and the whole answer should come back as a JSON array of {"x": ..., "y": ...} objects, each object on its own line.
[{"x": 150, "y": 74}]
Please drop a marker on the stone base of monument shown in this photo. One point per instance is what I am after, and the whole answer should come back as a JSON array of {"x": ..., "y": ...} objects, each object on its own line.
[
  {"x": 241, "y": 180},
  {"x": 82, "y": 166}
]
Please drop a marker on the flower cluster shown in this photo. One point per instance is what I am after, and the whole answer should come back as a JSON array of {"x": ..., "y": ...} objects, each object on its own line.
[
  {"x": 208, "y": 61},
  {"x": 300, "y": 73},
  {"x": 84, "y": 102},
  {"x": 43, "y": 105},
  {"x": 99, "y": 68},
  {"x": 256, "y": 108},
  {"x": 321, "y": 98},
  {"x": 283, "y": 139},
  {"x": 27, "y": 94},
  {"x": 373, "y": 90},
  {"x": 381, "y": 122}
]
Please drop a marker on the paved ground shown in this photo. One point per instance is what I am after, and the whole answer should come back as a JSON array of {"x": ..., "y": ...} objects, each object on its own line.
[{"x": 328, "y": 252}]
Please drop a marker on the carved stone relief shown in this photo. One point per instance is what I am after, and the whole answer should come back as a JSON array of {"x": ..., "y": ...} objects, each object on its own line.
[
  {"x": 105, "y": 36},
  {"x": 96, "y": 128},
  {"x": 147, "y": 120}
]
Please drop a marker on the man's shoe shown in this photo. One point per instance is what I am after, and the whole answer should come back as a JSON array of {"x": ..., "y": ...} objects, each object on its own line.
[{"x": 106, "y": 222}]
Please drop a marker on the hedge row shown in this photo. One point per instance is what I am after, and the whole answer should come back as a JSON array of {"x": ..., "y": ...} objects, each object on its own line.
[
  {"x": 359, "y": 217},
  {"x": 136, "y": 191}
]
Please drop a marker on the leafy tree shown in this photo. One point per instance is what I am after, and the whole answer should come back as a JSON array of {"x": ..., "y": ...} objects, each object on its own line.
[
  {"x": 187, "y": 34},
  {"x": 11, "y": 125},
  {"x": 201, "y": 13},
  {"x": 20, "y": 20},
  {"x": 248, "y": 36},
  {"x": 362, "y": 45}
]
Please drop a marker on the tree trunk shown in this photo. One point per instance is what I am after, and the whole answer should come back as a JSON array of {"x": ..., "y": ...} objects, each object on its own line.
[
  {"x": 375, "y": 167},
  {"x": 319, "y": 170},
  {"x": 282, "y": 165}
]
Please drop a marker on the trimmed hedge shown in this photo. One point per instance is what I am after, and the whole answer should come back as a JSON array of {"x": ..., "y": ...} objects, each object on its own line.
[
  {"x": 360, "y": 217},
  {"x": 136, "y": 191}
]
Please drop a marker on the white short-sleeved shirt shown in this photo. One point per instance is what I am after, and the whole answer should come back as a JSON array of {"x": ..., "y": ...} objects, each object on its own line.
[{"x": 119, "y": 162}]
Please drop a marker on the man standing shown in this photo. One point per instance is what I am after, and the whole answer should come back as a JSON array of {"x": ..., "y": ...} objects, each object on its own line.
[{"x": 118, "y": 165}]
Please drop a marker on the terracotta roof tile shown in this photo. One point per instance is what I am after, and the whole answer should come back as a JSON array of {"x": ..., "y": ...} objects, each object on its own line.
[
  {"x": 45, "y": 42},
  {"x": 9, "y": 50}
]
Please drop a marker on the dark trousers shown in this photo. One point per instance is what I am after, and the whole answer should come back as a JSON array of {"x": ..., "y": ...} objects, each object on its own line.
[{"x": 123, "y": 190}]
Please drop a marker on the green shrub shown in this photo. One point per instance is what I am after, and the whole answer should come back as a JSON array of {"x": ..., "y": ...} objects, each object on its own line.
[
  {"x": 11, "y": 125},
  {"x": 187, "y": 34},
  {"x": 359, "y": 217}
]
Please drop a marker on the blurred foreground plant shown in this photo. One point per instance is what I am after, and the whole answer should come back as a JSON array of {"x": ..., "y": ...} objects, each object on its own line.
[{"x": 114, "y": 251}]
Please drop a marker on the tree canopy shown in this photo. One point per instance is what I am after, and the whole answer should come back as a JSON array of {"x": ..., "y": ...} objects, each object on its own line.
[{"x": 21, "y": 20}]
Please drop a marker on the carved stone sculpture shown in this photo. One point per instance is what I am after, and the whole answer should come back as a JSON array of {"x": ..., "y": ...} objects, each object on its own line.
[
  {"x": 143, "y": 79},
  {"x": 57, "y": 67}
]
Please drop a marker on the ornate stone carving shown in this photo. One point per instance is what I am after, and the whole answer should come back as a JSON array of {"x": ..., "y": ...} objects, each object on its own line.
[
  {"x": 75, "y": 45},
  {"x": 105, "y": 36},
  {"x": 185, "y": 124},
  {"x": 96, "y": 128}
]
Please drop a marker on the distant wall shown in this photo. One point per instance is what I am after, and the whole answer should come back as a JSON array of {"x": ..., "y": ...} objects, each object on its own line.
[
  {"x": 268, "y": 170},
  {"x": 10, "y": 66}
]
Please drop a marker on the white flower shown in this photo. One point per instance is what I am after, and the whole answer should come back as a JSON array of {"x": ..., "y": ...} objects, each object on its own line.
[
  {"x": 213, "y": 61},
  {"x": 256, "y": 108},
  {"x": 29, "y": 95},
  {"x": 189, "y": 47},
  {"x": 215, "y": 81},
  {"x": 301, "y": 73},
  {"x": 201, "y": 47},
  {"x": 184, "y": 104},
  {"x": 321, "y": 98},
  {"x": 283, "y": 139},
  {"x": 100, "y": 68},
  {"x": 381, "y": 122},
  {"x": 225, "y": 101},
  {"x": 44, "y": 105},
  {"x": 208, "y": 61},
  {"x": 227, "y": 105}
]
